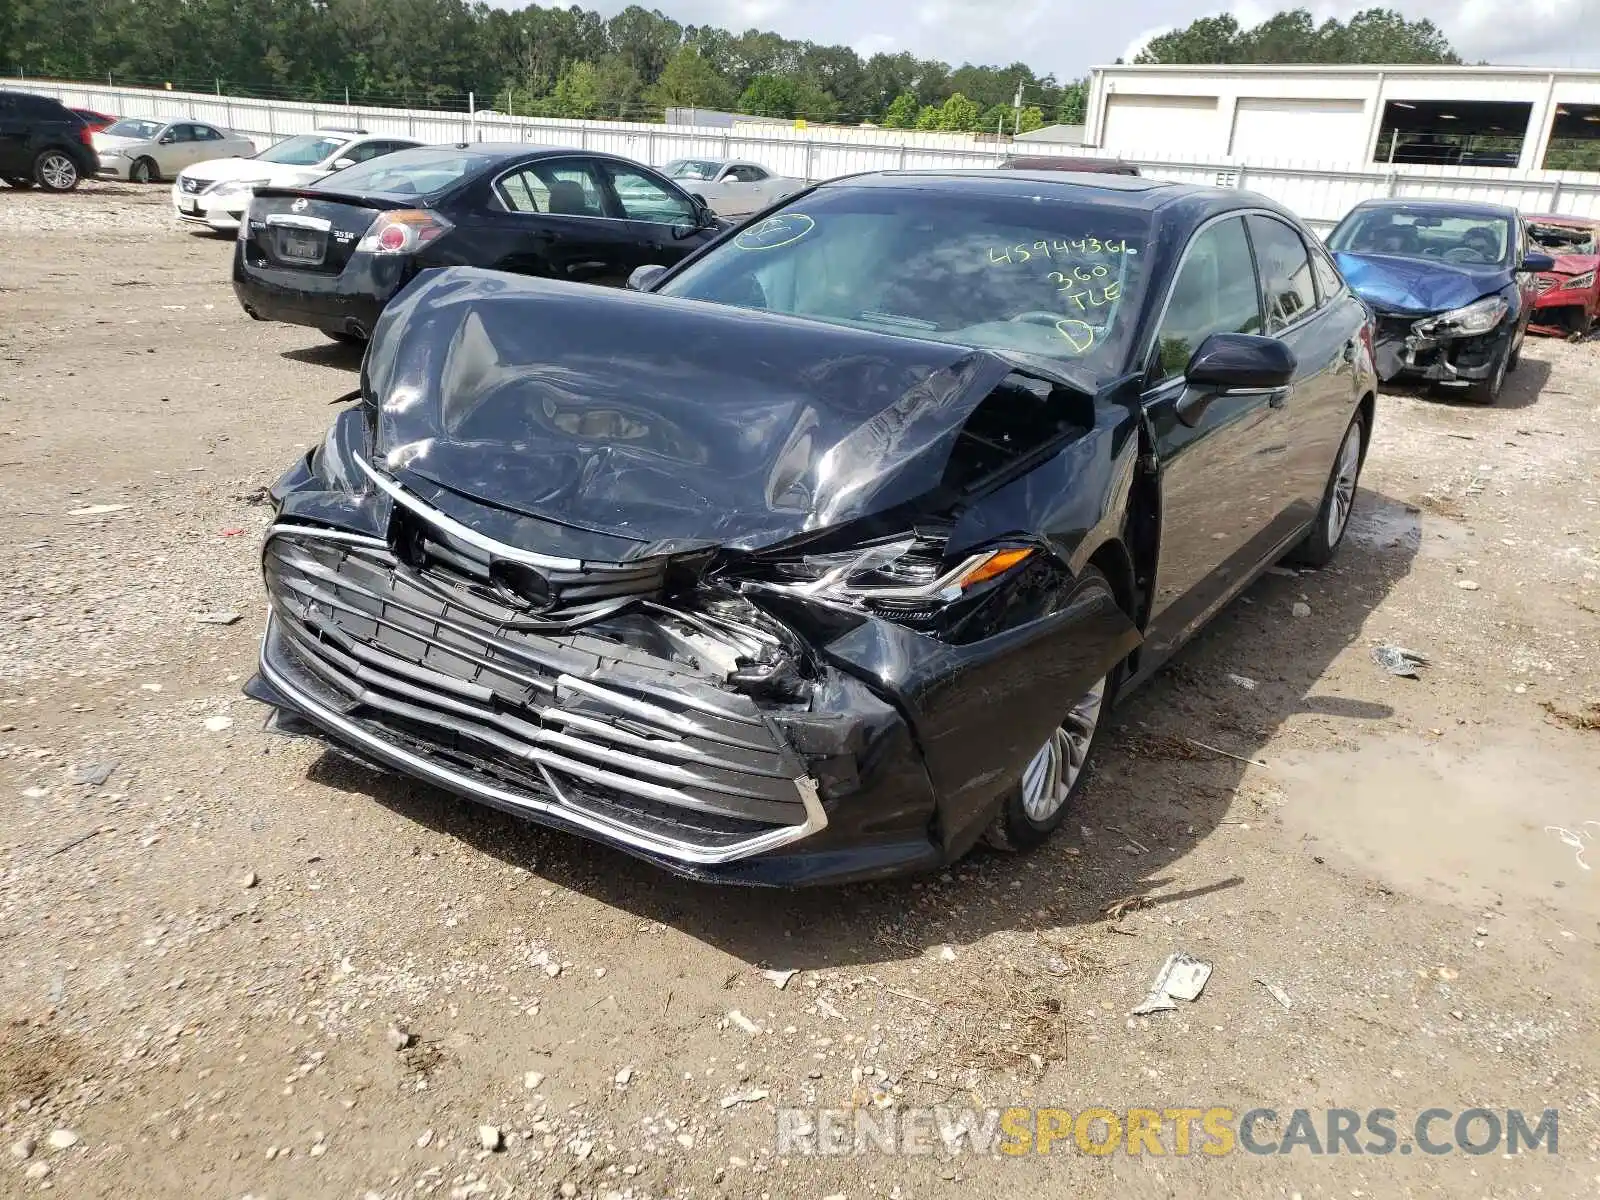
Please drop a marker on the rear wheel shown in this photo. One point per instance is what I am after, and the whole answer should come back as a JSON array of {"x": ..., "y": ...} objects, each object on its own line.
[
  {"x": 55, "y": 171},
  {"x": 1037, "y": 806},
  {"x": 144, "y": 171},
  {"x": 1333, "y": 518}
]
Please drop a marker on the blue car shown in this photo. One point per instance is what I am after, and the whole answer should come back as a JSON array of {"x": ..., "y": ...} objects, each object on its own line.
[{"x": 1451, "y": 286}]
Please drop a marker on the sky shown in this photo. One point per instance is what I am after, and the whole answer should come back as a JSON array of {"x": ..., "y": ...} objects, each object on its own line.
[{"x": 1067, "y": 39}]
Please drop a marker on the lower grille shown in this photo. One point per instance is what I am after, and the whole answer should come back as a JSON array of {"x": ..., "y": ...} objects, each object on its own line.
[{"x": 619, "y": 725}]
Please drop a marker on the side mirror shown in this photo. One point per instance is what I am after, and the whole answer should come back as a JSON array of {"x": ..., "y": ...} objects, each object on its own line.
[
  {"x": 340, "y": 164},
  {"x": 1234, "y": 362},
  {"x": 166, "y": 139},
  {"x": 1538, "y": 260},
  {"x": 644, "y": 276}
]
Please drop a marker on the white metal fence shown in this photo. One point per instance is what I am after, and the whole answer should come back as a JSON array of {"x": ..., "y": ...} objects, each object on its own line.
[{"x": 1320, "y": 193}]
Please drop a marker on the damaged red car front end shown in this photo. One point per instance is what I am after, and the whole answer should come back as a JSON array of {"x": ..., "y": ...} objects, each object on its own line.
[{"x": 1568, "y": 296}]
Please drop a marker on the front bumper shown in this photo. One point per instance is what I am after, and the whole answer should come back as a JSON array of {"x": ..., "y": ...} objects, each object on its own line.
[
  {"x": 878, "y": 752},
  {"x": 113, "y": 166},
  {"x": 219, "y": 213},
  {"x": 349, "y": 302},
  {"x": 1402, "y": 353}
]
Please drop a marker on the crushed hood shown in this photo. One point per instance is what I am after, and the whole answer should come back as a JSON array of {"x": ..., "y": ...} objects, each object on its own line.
[
  {"x": 660, "y": 424},
  {"x": 1418, "y": 286},
  {"x": 1574, "y": 264}
]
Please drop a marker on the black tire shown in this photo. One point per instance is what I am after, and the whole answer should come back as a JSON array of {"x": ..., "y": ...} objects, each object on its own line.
[
  {"x": 54, "y": 171},
  {"x": 1332, "y": 523},
  {"x": 1487, "y": 391},
  {"x": 1013, "y": 827},
  {"x": 345, "y": 337},
  {"x": 21, "y": 183},
  {"x": 144, "y": 170}
]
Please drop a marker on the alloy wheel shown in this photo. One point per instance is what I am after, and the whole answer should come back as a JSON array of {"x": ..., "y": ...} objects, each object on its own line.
[
  {"x": 58, "y": 172},
  {"x": 1049, "y": 778},
  {"x": 1344, "y": 485}
]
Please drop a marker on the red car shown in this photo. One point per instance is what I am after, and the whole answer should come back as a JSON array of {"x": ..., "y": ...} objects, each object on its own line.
[
  {"x": 1567, "y": 295},
  {"x": 96, "y": 121}
]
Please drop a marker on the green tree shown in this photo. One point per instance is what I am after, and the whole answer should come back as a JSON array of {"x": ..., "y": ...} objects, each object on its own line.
[
  {"x": 1375, "y": 35},
  {"x": 769, "y": 96},
  {"x": 928, "y": 117},
  {"x": 577, "y": 93},
  {"x": 689, "y": 81},
  {"x": 959, "y": 115},
  {"x": 1029, "y": 119},
  {"x": 902, "y": 114}
]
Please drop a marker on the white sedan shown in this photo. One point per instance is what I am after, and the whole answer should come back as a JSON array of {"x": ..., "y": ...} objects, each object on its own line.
[
  {"x": 144, "y": 150},
  {"x": 731, "y": 187},
  {"x": 215, "y": 195}
]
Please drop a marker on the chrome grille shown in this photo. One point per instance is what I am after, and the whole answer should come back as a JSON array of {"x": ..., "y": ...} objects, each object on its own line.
[
  {"x": 1545, "y": 282},
  {"x": 621, "y": 721}
]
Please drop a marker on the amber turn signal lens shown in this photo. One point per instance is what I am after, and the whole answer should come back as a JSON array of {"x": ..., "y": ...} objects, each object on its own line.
[{"x": 997, "y": 563}]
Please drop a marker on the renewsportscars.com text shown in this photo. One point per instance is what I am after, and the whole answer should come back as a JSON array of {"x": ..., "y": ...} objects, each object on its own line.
[{"x": 1178, "y": 1131}]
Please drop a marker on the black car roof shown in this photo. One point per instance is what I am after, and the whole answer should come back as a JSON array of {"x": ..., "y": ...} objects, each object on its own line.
[{"x": 1129, "y": 191}]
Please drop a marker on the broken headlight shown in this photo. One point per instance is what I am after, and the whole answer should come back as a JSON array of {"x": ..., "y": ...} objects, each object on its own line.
[
  {"x": 908, "y": 578},
  {"x": 1478, "y": 317}
]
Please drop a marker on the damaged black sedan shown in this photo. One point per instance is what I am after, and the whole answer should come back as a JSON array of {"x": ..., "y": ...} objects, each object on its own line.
[
  {"x": 1452, "y": 286},
  {"x": 823, "y": 556}
]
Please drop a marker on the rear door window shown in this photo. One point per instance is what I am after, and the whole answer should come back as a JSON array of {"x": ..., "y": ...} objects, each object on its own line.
[{"x": 1285, "y": 268}]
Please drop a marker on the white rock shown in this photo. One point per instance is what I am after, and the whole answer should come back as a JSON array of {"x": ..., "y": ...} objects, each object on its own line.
[
  {"x": 1301, "y": 609},
  {"x": 62, "y": 1139},
  {"x": 743, "y": 1022},
  {"x": 947, "y": 954},
  {"x": 218, "y": 723},
  {"x": 532, "y": 1079},
  {"x": 38, "y": 1170},
  {"x": 95, "y": 510},
  {"x": 1467, "y": 585},
  {"x": 23, "y": 1148},
  {"x": 249, "y": 880},
  {"x": 624, "y": 1076},
  {"x": 36, "y": 793},
  {"x": 425, "y": 1139},
  {"x": 490, "y": 1137},
  {"x": 398, "y": 1037},
  {"x": 780, "y": 979}
]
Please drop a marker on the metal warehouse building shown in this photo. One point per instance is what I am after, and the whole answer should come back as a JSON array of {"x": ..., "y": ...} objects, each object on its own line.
[{"x": 1507, "y": 117}]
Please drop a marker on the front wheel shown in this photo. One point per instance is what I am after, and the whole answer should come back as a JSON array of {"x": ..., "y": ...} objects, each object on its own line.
[
  {"x": 55, "y": 171},
  {"x": 1037, "y": 806},
  {"x": 1487, "y": 391},
  {"x": 1333, "y": 518},
  {"x": 143, "y": 171}
]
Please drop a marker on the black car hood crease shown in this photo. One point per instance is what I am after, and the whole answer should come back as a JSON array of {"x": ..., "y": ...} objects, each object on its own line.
[{"x": 658, "y": 424}]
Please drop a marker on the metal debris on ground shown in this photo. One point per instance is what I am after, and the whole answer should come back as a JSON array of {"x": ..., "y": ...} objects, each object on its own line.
[
  {"x": 1397, "y": 660},
  {"x": 1181, "y": 977},
  {"x": 95, "y": 510},
  {"x": 1277, "y": 993},
  {"x": 780, "y": 979}
]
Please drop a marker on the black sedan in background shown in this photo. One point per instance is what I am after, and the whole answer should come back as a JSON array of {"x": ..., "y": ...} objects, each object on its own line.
[
  {"x": 825, "y": 557},
  {"x": 1452, "y": 285},
  {"x": 332, "y": 254}
]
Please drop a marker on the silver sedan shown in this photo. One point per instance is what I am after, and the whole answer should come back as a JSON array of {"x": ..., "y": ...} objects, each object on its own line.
[{"x": 145, "y": 150}]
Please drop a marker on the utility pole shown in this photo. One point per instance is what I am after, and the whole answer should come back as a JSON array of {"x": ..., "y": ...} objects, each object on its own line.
[{"x": 1016, "y": 111}]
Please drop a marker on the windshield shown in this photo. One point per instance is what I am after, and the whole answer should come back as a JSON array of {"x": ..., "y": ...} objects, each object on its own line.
[
  {"x": 691, "y": 168},
  {"x": 1563, "y": 239},
  {"x": 133, "y": 127},
  {"x": 409, "y": 172},
  {"x": 1058, "y": 279},
  {"x": 1466, "y": 239},
  {"x": 302, "y": 150}
]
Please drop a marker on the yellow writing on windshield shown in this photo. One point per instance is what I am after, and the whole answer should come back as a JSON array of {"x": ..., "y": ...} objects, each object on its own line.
[
  {"x": 1079, "y": 334},
  {"x": 1084, "y": 298},
  {"x": 1024, "y": 251}
]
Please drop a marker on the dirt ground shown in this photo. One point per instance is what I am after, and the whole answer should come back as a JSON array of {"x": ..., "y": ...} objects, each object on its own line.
[{"x": 207, "y": 959}]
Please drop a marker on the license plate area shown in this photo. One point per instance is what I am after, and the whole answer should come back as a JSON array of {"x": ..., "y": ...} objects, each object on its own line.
[
  {"x": 191, "y": 206},
  {"x": 302, "y": 247}
]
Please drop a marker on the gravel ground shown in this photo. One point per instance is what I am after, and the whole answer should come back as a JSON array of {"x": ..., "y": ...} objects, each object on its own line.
[{"x": 236, "y": 966}]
